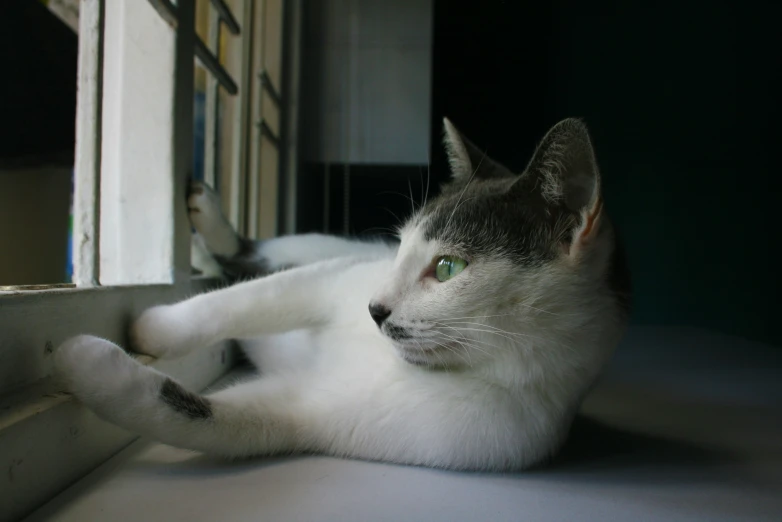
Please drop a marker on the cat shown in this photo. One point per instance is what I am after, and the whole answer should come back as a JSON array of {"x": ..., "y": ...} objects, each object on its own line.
[{"x": 467, "y": 346}]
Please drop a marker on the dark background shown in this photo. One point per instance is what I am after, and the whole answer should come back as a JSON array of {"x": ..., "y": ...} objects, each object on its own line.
[
  {"x": 683, "y": 105},
  {"x": 682, "y": 101},
  {"x": 38, "y": 86}
]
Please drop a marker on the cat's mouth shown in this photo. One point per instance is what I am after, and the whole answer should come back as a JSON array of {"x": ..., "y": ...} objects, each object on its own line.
[
  {"x": 398, "y": 334},
  {"x": 419, "y": 350}
]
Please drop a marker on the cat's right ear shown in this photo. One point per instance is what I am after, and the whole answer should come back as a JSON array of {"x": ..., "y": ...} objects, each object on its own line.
[
  {"x": 466, "y": 160},
  {"x": 565, "y": 172}
]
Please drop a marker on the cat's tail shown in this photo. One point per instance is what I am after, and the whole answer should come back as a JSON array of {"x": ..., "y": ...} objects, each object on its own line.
[{"x": 236, "y": 422}]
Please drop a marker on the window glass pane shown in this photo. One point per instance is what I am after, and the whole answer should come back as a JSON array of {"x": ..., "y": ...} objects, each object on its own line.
[
  {"x": 37, "y": 142},
  {"x": 199, "y": 121}
]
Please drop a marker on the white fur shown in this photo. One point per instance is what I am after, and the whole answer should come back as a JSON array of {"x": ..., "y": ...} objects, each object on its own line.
[
  {"x": 495, "y": 364},
  {"x": 332, "y": 383},
  {"x": 305, "y": 249}
]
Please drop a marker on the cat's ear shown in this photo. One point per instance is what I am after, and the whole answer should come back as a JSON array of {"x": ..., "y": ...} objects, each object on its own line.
[
  {"x": 565, "y": 172},
  {"x": 467, "y": 160}
]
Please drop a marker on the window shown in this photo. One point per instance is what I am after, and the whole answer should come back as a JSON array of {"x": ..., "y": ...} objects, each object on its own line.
[{"x": 173, "y": 90}]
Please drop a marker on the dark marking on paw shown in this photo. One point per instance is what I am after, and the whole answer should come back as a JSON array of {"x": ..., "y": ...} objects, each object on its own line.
[{"x": 187, "y": 403}]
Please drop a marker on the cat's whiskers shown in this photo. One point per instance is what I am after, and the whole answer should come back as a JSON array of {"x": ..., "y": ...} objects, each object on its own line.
[
  {"x": 496, "y": 329},
  {"x": 412, "y": 200},
  {"x": 479, "y": 316},
  {"x": 428, "y": 178},
  {"x": 442, "y": 361},
  {"x": 399, "y": 221},
  {"x": 433, "y": 339},
  {"x": 421, "y": 182},
  {"x": 467, "y": 359},
  {"x": 380, "y": 229},
  {"x": 490, "y": 330},
  {"x": 464, "y": 338},
  {"x": 516, "y": 342},
  {"x": 454, "y": 339},
  {"x": 468, "y": 344},
  {"x": 541, "y": 310},
  {"x": 515, "y": 314}
]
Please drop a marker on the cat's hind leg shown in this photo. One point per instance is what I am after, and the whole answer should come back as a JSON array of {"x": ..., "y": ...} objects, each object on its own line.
[
  {"x": 254, "y": 418},
  {"x": 244, "y": 258},
  {"x": 203, "y": 205}
]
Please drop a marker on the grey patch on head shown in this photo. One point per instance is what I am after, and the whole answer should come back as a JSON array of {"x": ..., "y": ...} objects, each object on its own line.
[
  {"x": 487, "y": 211},
  {"x": 187, "y": 403},
  {"x": 245, "y": 263},
  {"x": 497, "y": 218}
]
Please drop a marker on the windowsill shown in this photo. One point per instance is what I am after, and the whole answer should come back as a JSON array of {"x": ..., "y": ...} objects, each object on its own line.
[
  {"x": 700, "y": 444},
  {"x": 47, "y": 439},
  {"x": 18, "y": 289}
]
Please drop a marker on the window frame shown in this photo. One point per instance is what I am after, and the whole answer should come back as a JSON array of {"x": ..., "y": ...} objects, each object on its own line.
[{"x": 38, "y": 424}]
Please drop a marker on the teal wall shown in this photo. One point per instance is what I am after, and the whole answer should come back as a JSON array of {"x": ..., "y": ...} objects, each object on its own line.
[
  {"x": 683, "y": 102},
  {"x": 684, "y": 107}
]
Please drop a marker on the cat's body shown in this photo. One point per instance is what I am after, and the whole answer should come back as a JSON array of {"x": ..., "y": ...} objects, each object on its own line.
[{"x": 478, "y": 365}]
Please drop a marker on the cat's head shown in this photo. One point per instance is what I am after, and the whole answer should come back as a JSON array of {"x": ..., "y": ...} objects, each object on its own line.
[{"x": 500, "y": 260}]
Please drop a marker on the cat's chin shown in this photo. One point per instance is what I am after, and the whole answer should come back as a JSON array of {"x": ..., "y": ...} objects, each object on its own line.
[
  {"x": 425, "y": 355},
  {"x": 416, "y": 361}
]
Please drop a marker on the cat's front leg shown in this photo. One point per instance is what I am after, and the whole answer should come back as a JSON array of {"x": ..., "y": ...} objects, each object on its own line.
[
  {"x": 424, "y": 421},
  {"x": 306, "y": 297},
  {"x": 255, "y": 418}
]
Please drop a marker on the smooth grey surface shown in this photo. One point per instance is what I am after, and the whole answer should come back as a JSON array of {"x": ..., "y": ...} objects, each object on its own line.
[
  {"x": 685, "y": 426},
  {"x": 366, "y": 81}
]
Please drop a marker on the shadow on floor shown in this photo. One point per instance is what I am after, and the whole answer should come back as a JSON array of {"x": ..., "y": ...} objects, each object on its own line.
[{"x": 595, "y": 445}]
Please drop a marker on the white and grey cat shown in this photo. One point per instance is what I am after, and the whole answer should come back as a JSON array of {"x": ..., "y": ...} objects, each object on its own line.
[{"x": 467, "y": 346}]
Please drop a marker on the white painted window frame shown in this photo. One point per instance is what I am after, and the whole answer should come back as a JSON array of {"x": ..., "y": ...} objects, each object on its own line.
[
  {"x": 147, "y": 146},
  {"x": 131, "y": 236}
]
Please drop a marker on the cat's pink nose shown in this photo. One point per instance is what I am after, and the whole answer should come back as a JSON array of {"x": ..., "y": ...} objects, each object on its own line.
[{"x": 379, "y": 313}]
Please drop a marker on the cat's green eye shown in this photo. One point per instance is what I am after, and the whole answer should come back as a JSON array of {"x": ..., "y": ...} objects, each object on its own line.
[{"x": 448, "y": 267}]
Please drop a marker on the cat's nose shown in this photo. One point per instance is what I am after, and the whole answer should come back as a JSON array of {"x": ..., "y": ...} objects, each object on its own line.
[{"x": 379, "y": 313}]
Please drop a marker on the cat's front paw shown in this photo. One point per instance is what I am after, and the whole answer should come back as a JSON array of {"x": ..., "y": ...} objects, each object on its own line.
[
  {"x": 103, "y": 377},
  {"x": 163, "y": 332},
  {"x": 90, "y": 367}
]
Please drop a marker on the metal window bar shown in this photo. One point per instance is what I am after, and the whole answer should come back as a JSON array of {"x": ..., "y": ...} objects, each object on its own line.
[
  {"x": 212, "y": 110},
  {"x": 226, "y": 16},
  {"x": 269, "y": 133},
  {"x": 208, "y": 56},
  {"x": 268, "y": 86},
  {"x": 211, "y": 63}
]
